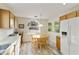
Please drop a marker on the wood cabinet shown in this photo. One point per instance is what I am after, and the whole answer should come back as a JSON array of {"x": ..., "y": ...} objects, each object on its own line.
[
  {"x": 12, "y": 21},
  {"x": 78, "y": 13},
  {"x": 6, "y": 19},
  {"x": 63, "y": 17},
  {"x": 58, "y": 42},
  {"x": 71, "y": 15}
]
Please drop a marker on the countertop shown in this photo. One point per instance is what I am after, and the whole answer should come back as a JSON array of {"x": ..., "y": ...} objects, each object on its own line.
[{"x": 9, "y": 40}]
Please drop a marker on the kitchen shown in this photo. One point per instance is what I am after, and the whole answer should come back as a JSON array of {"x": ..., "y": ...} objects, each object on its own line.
[{"x": 27, "y": 25}]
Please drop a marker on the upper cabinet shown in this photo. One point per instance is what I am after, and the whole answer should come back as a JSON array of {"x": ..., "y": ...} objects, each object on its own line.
[
  {"x": 63, "y": 17},
  {"x": 69, "y": 15},
  {"x": 12, "y": 21},
  {"x": 78, "y": 13},
  {"x": 6, "y": 19}
]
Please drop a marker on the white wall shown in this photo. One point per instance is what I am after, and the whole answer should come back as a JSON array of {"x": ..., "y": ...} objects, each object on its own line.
[
  {"x": 53, "y": 34},
  {"x": 21, "y": 20},
  {"x": 2, "y": 6}
]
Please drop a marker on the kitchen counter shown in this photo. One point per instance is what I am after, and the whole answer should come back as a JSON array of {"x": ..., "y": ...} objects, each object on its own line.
[
  {"x": 7, "y": 43},
  {"x": 9, "y": 40}
]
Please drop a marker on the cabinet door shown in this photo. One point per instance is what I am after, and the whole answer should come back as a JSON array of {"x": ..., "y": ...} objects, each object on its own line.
[
  {"x": 4, "y": 18},
  {"x": 64, "y": 33},
  {"x": 74, "y": 47},
  {"x": 58, "y": 42},
  {"x": 16, "y": 23},
  {"x": 12, "y": 20},
  {"x": 0, "y": 19},
  {"x": 78, "y": 13}
]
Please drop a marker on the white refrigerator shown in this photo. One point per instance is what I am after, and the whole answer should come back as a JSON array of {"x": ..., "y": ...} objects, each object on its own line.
[
  {"x": 64, "y": 33},
  {"x": 69, "y": 32}
]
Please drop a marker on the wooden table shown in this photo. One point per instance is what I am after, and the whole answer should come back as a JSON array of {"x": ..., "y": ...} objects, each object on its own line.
[{"x": 40, "y": 41}]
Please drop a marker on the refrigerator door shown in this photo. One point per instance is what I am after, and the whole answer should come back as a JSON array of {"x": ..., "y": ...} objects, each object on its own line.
[
  {"x": 74, "y": 46},
  {"x": 64, "y": 33}
]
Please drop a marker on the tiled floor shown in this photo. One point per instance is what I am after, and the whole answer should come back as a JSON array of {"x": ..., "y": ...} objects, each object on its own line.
[{"x": 27, "y": 49}]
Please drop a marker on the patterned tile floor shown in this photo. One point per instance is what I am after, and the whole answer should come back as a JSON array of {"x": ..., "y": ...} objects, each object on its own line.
[{"x": 27, "y": 49}]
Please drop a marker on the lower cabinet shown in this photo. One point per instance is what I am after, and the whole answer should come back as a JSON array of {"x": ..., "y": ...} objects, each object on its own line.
[{"x": 58, "y": 42}]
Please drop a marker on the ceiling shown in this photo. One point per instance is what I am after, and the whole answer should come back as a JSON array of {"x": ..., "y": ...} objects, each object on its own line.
[{"x": 44, "y": 10}]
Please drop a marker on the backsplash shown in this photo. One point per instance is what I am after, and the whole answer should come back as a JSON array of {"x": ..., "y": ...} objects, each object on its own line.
[{"x": 5, "y": 32}]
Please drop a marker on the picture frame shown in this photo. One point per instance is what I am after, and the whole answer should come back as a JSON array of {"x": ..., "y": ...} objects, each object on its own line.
[{"x": 21, "y": 26}]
